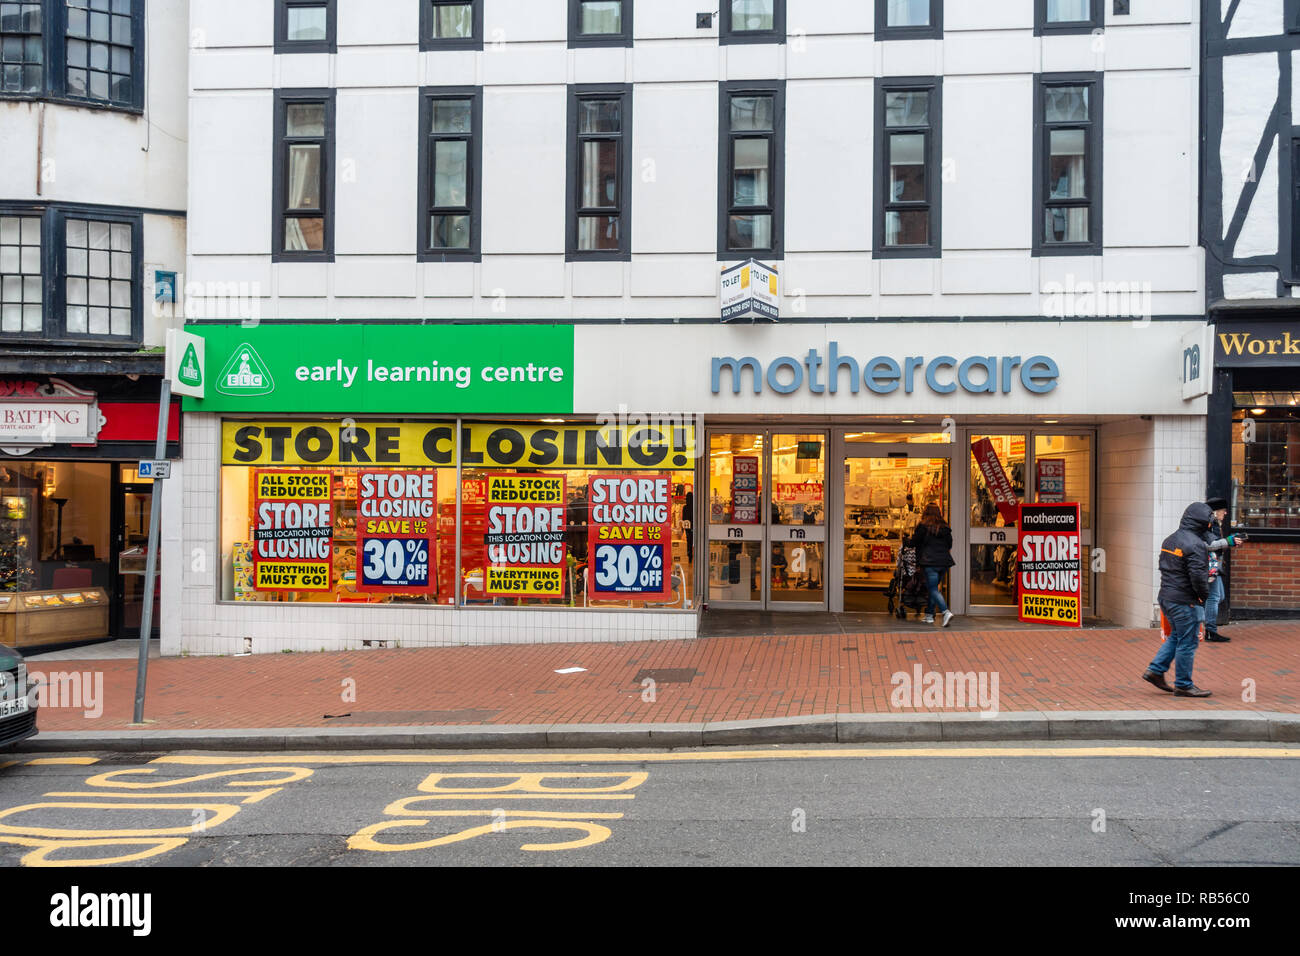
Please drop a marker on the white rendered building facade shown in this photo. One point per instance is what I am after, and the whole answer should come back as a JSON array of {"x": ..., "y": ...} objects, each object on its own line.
[{"x": 470, "y": 239}]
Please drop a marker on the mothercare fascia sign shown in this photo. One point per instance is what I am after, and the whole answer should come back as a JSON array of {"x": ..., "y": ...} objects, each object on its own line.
[{"x": 371, "y": 367}]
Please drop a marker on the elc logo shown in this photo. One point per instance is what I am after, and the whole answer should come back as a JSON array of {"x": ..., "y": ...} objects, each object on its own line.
[{"x": 245, "y": 374}]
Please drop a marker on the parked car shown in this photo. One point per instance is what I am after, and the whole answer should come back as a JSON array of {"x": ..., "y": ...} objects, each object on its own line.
[{"x": 17, "y": 710}]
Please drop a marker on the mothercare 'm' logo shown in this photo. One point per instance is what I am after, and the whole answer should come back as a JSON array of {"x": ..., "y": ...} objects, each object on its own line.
[{"x": 245, "y": 374}]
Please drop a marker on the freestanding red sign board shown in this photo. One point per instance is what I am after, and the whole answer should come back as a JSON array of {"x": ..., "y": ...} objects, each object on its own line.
[{"x": 1049, "y": 570}]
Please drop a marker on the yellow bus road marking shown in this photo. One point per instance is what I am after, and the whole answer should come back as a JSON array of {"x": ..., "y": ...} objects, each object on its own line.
[
  {"x": 1172, "y": 752},
  {"x": 254, "y": 797},
  {"x": 221, "y": 813},
  {"x": 66, "y": 761}
]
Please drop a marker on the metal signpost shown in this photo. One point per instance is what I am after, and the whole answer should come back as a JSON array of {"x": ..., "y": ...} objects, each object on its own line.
[{"x": 185, "y": 367}]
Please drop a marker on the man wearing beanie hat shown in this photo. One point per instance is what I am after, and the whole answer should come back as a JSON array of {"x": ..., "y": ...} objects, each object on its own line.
[
  {"x": 1184, "y": 586},
  {"x": 1217, "y": 542}
]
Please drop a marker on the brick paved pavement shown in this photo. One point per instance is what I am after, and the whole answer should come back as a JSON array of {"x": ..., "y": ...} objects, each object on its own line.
[{"x": 718, "y": 679}]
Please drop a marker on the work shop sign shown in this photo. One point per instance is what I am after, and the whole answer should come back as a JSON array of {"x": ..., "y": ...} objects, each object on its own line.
[
  {"x": 293, "y": 534},
  {"x": 525, "y": 536},
  {"x": 1049, "y": 571},
  {"x": 750, "y": 290}
]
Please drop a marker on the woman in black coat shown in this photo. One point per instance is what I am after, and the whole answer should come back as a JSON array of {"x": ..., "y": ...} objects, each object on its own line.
[{"x": 933, "y": 540}]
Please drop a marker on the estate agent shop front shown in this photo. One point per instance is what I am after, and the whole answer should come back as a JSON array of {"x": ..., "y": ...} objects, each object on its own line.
[{"x": 444, "y": 484}]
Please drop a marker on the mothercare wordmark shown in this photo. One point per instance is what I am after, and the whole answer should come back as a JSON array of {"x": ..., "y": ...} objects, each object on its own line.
[{"x": 883, "y": 375}]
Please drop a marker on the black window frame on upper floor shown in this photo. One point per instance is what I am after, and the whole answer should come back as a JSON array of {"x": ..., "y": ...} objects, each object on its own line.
[
  {"x": 54, "y": 272},
  {"x": 932, "y": 205},
  {"x": 1095, "y": 22},
  {"x": 776, "y": 159},
  {"x": 54, "y": 46},
  {"x": 728, "y": 36},
  {"x": 474, "y": 173},
  {"x": 280, "y": 172},
  {"x": 621, "y": 39},
  {"x": 429, "y": 42},
  {"x": 931, "y": 31},
  {"x": 574, "y": 139},
  {"x": 282, "y": 42},
  {"x": 1093, "y": 174}
]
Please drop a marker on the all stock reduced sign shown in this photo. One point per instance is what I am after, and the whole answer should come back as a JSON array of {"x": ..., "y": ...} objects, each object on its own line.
[
  {"x": 1049, "y": 572},
  {"x": 525, "y": 536},
  {"x": 629, "y": 541},
  {"x": 293, "y": 531},
  {"x": 397, "y": 520}
]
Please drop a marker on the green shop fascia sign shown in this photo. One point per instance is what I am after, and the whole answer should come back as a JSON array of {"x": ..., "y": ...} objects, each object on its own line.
[{"x": 358, "y": 368}]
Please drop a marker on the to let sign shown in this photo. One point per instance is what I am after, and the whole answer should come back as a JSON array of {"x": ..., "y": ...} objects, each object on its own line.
[{"x": 750, "y": 290}]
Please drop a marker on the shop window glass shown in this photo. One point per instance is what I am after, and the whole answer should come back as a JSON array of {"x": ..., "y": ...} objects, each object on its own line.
[
  {"x": 797, "y": 562},
  {"x": 100, "y": 274},
  {"x": 1266, "y": 462},
  {"x": 992, "y": 506},
  {"x": 735, "y": 501},
  {"x": 54, "y": 525},
  {"x": 21, "y": 55},
  {"x": 526, "y": 533},
  {"x": 20, "y": 274}
]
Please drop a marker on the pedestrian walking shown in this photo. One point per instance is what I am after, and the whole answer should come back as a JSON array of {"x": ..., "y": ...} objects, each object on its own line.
[
  {"x": 1184, "y": 586},
  {"x": 933, "y": 542},
  {"x": 1218, "y": 543}
]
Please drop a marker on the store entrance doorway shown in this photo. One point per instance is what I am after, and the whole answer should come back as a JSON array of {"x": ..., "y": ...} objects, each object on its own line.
[
  {"x": 886, "y": 490},
  {"x": 132, "y": 506},
  {"x": 765, "y": 510}
]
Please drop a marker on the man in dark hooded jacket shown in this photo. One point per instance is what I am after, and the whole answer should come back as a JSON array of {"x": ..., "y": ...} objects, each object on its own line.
[{"x": 1184, "y": 586}]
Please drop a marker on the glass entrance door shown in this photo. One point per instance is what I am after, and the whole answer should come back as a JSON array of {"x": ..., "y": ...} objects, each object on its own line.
[
  {"x": 135, "y": 503},
  {"x": 1005, "y": 469},
  {"x": 766, "y": 516},
  {"x": 886, "y": 490}
]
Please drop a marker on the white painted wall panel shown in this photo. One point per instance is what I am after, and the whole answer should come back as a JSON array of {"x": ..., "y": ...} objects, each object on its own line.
[
  {"x": 988, "y": 137},
  {"x": 1257, "y": 18},
  {"x": 304, "y": 70},
  {"x": 231, "y": 23},
  {"x": 984, "y": 275},
  {"x": 519, "y": 21},
  {"x": 524, "y": 169},
  {"x": 828, "y": 150},
  {"x": 1149, "y": 182},
  {"x": 376, "y": 179},
  {"x": 675, "y": 169},
  {"x": 988, "y": 52},
  {"x": 833, "y": 56},
  {"x": 961, "y": 15},
  {"x": 1249, "y": 81},
  {"x": 825, "y": 275},
  {"x": 819, "y": 17},
  {"x": 910, "y": 57},
  {"x": 230, "y": 204},
  {"x": 378, "y": 23},
  {"x": 1259, "y": 231},
  {"x": 754, "y": 61},
  {"x": 381, "y": 277}
]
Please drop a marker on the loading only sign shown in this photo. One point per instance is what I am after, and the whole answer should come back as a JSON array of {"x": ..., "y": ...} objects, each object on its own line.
[
  {"x": 1049, "y": 572},
  {"x": 630, "y": 534},
  {"x": 293, "y": 536},
  {"x": 525, "y": 536}
]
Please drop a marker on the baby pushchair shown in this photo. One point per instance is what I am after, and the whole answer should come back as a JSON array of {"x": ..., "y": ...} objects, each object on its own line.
[{"x": 907, "y": 587}]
